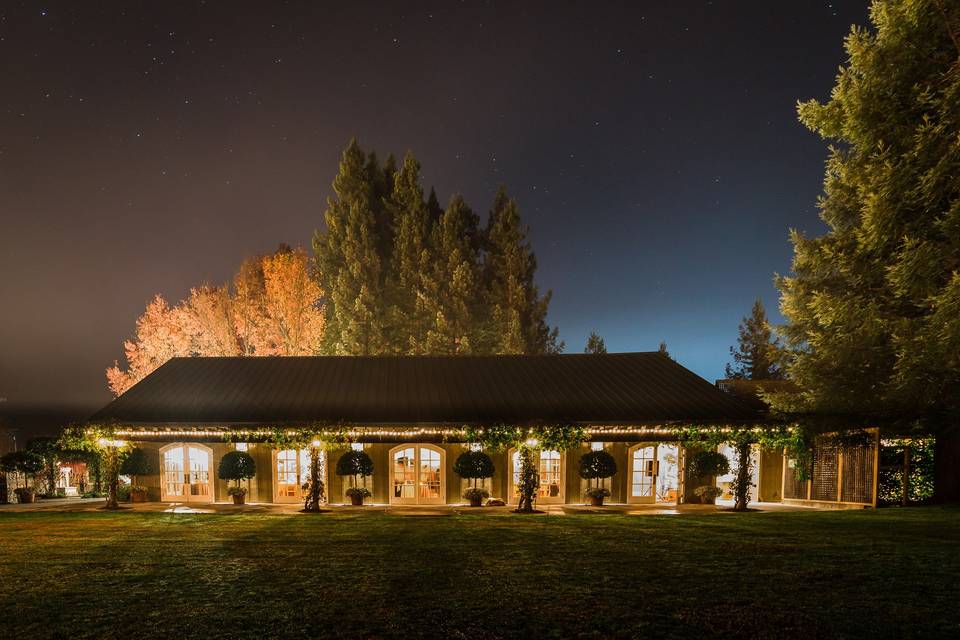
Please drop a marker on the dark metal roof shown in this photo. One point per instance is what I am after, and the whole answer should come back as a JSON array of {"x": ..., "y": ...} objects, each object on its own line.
[{"x": 621, "y": 388}]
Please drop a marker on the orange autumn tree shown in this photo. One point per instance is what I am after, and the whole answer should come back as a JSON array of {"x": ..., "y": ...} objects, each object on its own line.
[{"x": 273, "y": 309}]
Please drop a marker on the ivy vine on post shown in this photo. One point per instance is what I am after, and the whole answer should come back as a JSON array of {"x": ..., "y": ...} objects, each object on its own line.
[{"x": 528, "y": 441}]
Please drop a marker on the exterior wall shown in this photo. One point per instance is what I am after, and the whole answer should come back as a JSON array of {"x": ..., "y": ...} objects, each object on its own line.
[{"x": 261, "y": 488}]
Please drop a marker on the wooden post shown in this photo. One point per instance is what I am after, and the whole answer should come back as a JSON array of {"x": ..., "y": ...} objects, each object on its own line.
[
  {"x": 876, "y": 466},
  {"x": 839, "y": 474},
  {"x": 905, "y": 499}
]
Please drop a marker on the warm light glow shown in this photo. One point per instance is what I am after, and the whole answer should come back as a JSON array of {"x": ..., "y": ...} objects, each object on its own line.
[
  {"x": 532, "y": 442},
  {"x": 106, "y": 442},
  {"x": 358, "y": 433},
  {"x": 315, "y": 443}
]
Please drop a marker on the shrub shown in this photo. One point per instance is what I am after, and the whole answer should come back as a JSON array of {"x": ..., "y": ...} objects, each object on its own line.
[
  {"x": 597, "y": 464},
  {"x": 137, "y": 463},
  {"x": 123, "y": 492},
  {"x": 708, "y": 463},
  {"x": 476, "y": 493},
  {"x": 473, "y": 465},
  {"x": 358, "y": 491},
  {"x": 355, "y": 463},
  {"x": 236, "y": 491},
  {"x": 237, "y": 465},
  {"x": 25, "y": 462}
]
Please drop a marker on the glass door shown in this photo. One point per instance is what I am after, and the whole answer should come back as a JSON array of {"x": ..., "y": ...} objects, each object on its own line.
[
  {"x": 186, "y": 473},
  {"x": 292, "y": 472},
  {"x": 643, "y": 474},
  {"x": 172, "y": 487},
  {"x": 551, "y": 477},
  {"x": 431, "y": 476},
  {"x": 417, "y": 475}
]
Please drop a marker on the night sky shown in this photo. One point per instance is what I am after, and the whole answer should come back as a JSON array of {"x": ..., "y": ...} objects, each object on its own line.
[{"x": 149, "y": 147}]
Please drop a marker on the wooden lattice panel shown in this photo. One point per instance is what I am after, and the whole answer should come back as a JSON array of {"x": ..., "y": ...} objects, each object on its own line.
[{"x": 826, "y": 469}]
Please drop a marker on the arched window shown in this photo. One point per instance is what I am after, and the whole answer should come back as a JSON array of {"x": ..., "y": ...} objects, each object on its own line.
[
  {"x": 643, "y": 473},
  {"x": 185, "y": 470},
  {"x": 417, "y": 474},
  {"x": 552, "y": 488}
]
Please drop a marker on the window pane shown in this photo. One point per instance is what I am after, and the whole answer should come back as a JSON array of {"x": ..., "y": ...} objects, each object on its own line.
[
  {"x": 173, "y": 471},
  {"x": 404, "y": 473},
  {"x": 429, "y": 473}
]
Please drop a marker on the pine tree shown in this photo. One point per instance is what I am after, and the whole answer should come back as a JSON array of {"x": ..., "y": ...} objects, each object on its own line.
[
  {"x": 455, "y": 300},
  {"x": 873, "y": 305},
  {"x": 758, "y": 352},
  {"x": 595, "y": 344},
  {"x": 349, "y": 256},
  {"x": 412, "y": 261},
  {"x": 517, "y": 313}
]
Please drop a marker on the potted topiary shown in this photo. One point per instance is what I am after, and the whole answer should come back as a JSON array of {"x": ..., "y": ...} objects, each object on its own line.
[
  {"x": 475, "y": 496},
  {"x": 474, "y": 465},
  {"x": 707, "y": 464},
  {"x": 355, "y": 464},
  {"x": 596, "y": 495},
  {"x": 357, "y": 494},
  {"x": 597, "y": 465},
  {"x": 137, "y": 463},
  {"x": 237, "y": 466},
  {"x": 27, "y": 463}
]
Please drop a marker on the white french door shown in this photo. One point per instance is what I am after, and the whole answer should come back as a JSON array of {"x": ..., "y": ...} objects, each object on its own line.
[
  {"x": 552, "y": 490},
  {"x": 186, "y": 473},
  {"x": 417, "y": 475},
  {"x": 292, "y": 472},
  {"x": 643, "y": 473}
]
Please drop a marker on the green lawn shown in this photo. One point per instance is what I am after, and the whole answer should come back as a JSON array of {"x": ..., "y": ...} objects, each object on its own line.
[{"x": 887, "y": 573}]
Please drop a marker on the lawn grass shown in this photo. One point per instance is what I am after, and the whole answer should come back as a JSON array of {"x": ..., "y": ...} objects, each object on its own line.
[{"x": 888, "y": 573}]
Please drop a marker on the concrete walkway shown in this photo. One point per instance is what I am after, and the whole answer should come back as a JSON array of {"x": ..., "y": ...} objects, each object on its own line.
[{"x": 95, "y": 504}]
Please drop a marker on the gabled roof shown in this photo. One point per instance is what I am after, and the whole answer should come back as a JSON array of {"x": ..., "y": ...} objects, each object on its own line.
[{"x": 621, "y": 388}]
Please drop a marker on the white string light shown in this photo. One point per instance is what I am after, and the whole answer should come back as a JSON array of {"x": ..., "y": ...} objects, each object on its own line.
[{"x": 216, "y": 432}]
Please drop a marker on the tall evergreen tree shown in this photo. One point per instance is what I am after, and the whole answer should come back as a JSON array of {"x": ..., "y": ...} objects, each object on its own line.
[
  {"x": 456, "y": 296},
  {"x": 349, "y": 256},
  {"x": 874, "y": 304},
  {"x": 595, "y": 344},
  {"x": 758, "y": 355},
  {"x": 517, "y": 312},
  {"x": 410, "y": 280}
]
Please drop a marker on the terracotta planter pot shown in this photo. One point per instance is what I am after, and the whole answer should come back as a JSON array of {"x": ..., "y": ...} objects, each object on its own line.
[
  {"x": 239, "y": 498},
  {"x": 138, "y": 496},
  {"x": 476, "y": 502},
  {"x": 356, "y": 500},
  {"x": 596, "y": 501},
  {"x": 27, "y": 497}
]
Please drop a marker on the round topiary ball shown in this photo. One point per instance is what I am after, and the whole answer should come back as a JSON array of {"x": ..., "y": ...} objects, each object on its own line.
[
  {"x": 355, "y": 463},
  {"x": 237, "y": 465},
  {"x": 473, "y": 464},
  {"x": 597, "y": 464}
]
